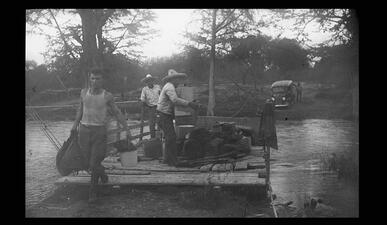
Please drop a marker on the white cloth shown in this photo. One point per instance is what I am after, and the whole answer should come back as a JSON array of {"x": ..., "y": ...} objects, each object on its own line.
[
  {"x": 150, "y": 95},
  {"x": 168, "y": 99}
]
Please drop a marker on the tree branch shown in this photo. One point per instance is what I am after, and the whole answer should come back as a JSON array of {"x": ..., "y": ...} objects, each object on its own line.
[
  {"x": 225, "y": 19},
  {"x": 62, "y": 35},
  {"x": 228, "y": 23},
  {"x": 122, "y": 36}
]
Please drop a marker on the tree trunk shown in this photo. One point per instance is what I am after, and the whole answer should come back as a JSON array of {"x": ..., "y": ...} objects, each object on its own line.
[
  {"x": 211, "y": 85},
  {"x": 91, "y": 56},
  {"x": 355, "y": 98}
]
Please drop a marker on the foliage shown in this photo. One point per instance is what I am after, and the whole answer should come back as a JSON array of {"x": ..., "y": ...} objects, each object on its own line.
[
  {"x": 243, "y": 54},
  {"x": 252, "y": 52},
  {"x": 342, "y": 23},
  {"x": 287, "y": 55},
  {"x": 232, "y": 23},
  {"x": 92, "y": 36}
]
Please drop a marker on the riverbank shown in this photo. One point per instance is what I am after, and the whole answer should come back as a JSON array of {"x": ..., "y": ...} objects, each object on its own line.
[{"x": 318, "y": 102}]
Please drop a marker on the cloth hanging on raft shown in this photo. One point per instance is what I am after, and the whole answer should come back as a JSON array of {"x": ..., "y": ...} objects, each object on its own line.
[{"x": 267, "y": 134}]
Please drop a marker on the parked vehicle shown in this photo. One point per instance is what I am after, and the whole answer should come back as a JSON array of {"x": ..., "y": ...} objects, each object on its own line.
[{"x": 283, "y": 93}]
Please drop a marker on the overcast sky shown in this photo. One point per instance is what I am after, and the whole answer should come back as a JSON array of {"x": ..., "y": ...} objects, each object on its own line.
[{"x": 171, "y": 24}]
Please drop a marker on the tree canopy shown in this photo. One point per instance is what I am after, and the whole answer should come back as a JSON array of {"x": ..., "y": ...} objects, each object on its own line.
[{"x": 91, "y": 35}]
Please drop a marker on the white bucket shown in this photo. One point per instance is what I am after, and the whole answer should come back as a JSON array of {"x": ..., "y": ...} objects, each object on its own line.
[{"x": 128, "y": 159}]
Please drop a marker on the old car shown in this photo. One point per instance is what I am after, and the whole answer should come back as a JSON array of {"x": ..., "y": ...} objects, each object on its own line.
[{"x": 283, "y": 93}]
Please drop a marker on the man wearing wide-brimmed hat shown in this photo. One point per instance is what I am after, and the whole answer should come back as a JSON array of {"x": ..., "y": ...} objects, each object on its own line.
[
  {"x": 165, "y": 107},
  {"x": 149, "y": 98}
]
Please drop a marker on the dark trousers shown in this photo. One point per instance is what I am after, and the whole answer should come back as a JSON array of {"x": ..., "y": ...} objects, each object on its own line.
[
  {"x": 93, "y": 143},
  {"x": 299, "y": 94},
  {"x": 170, "y": 151},
  {"x": 151, "y": 116}
]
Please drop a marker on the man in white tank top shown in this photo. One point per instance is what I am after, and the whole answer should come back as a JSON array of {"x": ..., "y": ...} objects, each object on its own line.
[{"x": 91, "y": 124}]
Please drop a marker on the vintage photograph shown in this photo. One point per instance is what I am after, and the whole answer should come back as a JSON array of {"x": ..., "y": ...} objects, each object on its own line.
[{"x": 144, "y": 113}]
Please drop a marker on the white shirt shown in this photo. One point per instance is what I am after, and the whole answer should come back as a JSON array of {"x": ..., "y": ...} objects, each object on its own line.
[
  {"x": 150, "y": 95},
  {"x": 168, "y": 98}
]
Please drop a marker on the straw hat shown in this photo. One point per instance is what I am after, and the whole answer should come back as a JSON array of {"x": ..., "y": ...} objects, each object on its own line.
[
  {"x": 147, "y": 78},
  {"x": 172, "y": 74}
]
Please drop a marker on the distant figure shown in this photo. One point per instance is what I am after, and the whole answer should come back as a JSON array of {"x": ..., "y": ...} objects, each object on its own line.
[
  {"x": 299, "y": 92},
  {"x": 149, "y": 98}
]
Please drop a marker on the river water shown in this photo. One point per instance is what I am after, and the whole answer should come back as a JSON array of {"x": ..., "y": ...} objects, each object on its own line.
[{"x": 295, "y": 171}]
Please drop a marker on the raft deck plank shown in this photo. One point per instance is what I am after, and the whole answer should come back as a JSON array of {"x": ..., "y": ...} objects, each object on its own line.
[
  {"x": 194, "y": 179},
  {"x": 240, "y": 165},
  {"x": 153, "y": 165}
]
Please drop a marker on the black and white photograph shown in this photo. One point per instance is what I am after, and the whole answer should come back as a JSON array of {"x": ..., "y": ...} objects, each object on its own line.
[{"x": 192, "y": 112}]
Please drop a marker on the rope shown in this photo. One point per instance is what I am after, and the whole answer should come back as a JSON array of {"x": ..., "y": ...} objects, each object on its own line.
[
  {"x": 46, "y": 131},
  {"x": 51, "y": 137},
  {"x": 271, "y": 201},
  {"x": 240, "y": 109}
]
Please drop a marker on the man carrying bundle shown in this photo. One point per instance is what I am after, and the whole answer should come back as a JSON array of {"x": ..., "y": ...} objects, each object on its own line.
[{"x": 91, "y": 124}]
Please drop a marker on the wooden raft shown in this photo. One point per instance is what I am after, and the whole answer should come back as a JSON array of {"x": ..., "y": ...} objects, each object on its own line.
[{"x": 248, "y": 170}]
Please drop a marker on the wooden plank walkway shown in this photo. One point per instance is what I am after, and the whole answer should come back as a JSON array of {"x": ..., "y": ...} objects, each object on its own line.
[{"x": 195, "y": 179}]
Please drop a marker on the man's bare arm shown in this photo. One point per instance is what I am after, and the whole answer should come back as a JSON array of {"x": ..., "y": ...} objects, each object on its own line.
[
  {"x": 78, "y": 117},
  {"x": 117, "y": 112}
]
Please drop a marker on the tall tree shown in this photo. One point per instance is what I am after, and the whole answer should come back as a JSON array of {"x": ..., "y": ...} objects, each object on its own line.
[
  {"x": 218, "y": 27},
  {"x": 92, "y": 34}
]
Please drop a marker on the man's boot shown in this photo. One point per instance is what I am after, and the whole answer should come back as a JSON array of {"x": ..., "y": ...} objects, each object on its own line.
[
  {"x": 102, "y": 175},
  {"x": 104, "y": 178},
  {"x": 93, "y": 188}
]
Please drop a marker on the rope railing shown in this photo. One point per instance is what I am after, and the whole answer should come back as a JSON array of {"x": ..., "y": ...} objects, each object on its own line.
[
  {"x": 70, "y": 106},
  {"x": 31, "y": 111},
  {"x": 51, "y": 137}
]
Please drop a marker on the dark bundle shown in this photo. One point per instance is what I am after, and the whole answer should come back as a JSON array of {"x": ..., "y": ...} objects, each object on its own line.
[
  {"x": 124, "y": 146},
  {"x": 194, "y": 147}
]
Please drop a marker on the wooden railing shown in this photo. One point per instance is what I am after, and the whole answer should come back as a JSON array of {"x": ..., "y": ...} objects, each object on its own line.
[{"x": 118, "y": 131}]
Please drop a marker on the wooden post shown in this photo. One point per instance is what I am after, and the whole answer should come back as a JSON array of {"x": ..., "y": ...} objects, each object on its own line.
[
  {"x": 118, "y": 133},
  {"x": 142, "y": 121},
  {"x": 268, "y": 129},
  {"x": 267, "y": 165}
]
